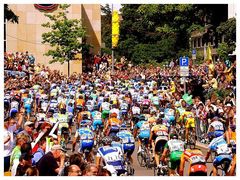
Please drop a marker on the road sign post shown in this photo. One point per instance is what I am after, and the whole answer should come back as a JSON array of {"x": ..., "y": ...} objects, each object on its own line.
[{"x": 184, "y": 69}]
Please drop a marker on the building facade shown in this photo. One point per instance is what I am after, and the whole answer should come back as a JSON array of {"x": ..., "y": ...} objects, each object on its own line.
[{"x": 27, "y": 34}]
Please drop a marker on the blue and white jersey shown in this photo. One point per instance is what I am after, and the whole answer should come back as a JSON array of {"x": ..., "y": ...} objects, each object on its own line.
[
  {"x": 220, "y": 146},
  {"x": 96, "y": 115},
  {"x": 143, "y": 126},
  {"x": 53, "y": 103},
  {"x": 218, "y": 128},
  {"x": 112, "y": 156},
  {"x": 125, "y": 136},
  {"x": 84, "y": 133},
  {"x": 90, "y": 105}
]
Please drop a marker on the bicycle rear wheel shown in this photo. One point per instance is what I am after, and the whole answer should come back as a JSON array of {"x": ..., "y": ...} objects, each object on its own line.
[{"x": 140, "y": 158}]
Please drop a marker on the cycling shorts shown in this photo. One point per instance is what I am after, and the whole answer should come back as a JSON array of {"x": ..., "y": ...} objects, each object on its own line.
[
  {"x": 159, "y": 145},
  {"x": 175, "y": 159},
  {"x": 197, "y": 168},
  {"x": 128, "y": 148},
  {"x": 105, "y": 114},
  {"x": 86, "y": 144},
  {"x": 190, "y": 122},
  {"x": 97, "y": 122},
  {"x": 220, "y": 158},
  {"x": 60, "y": 126},
  {"x": 218, "y": 133}
]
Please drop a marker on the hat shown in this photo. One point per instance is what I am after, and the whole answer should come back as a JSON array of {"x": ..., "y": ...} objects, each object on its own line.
[
  {"x": 28, "y": 123},
  {"x": 57, "y": 147},
  {"x": 229, "y": 105}
]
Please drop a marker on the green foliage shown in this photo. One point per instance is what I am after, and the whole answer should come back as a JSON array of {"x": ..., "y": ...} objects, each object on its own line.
[
  {"x": 106, "y": 25},
  {"x": 64, "y": 37},
  {"x": 106, "y": 50},
  {"x": 165, "y": 28},
  {"x": 223, "y": 50},
  {"x": 228, "y": 29}
]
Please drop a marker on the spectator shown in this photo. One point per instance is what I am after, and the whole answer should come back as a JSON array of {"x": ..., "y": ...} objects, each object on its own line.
[
  {"x": 90, "y": 170},
  {"x": 40, "y": 151},
  {"x": 74, "y": 170},
  {"x": 32, "y": 171},
  {"x": 48, "y": 165},
  {"x": 25, "y": 161}
]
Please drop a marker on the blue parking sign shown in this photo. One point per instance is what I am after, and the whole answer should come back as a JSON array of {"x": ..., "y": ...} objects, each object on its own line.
[
  {"x": 194, "y": 51},
  {"x": 183, "y": 61}
]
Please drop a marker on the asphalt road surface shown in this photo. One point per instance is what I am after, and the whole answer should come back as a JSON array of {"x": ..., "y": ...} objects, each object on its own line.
[{"x": 143, "y": 171}]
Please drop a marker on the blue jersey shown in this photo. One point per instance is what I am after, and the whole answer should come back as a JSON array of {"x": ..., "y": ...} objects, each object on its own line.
[
  {"x": 125, "y": 136},
  {"x": 85, "y": 133},
  {"x": 219, "y": 145},
  {"x": 112, "y": 156}
]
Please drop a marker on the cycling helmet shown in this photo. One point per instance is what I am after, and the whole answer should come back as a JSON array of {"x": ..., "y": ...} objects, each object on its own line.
[
  {"x": 63, "y": 111},
  {"x": 85, "y": 116},
  {"x": 142, "y": 118},
  {"x": 113, "y": 115},
  {"x": 173, "y": 135},
  {"x": 123, "y": 127},
  {"x": 107, "y": 140}
]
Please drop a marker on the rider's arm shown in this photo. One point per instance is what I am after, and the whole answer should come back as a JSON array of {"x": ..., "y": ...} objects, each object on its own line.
[
  {"x": 74, "y": 141},
  {"x": 164, "y": 154},
  {"x": 182, "y": 163},
  {"x": 207, "y": 155}
]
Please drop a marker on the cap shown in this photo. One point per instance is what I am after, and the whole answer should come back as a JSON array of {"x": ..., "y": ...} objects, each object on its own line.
[
  {"x": 229, "y": 105},
  {"x": 28, "y": 123},
  {"x": 57, "y": 147}
]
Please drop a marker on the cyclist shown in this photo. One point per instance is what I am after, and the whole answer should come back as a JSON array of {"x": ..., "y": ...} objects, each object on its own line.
[
  {"x": 28, "y": 105},
  {"x": 111, "y": 156},
  {"x": 97, "y": 118},
  {"x": 135, "y": 111},
  {"x": 124, "y": 109},
  {"x": 105, "y": 108},
  {"x": 145, "y": 104},
  {"x": 197, "y": 163},
  {"x": 158, "y": 139},
  {"x": 86, "y": 140},
  {"x": 169, "y": 114},
  {"x": 112, "y": 125},
  {"x": 216, "y": 128},
  {"x": 223, "y": 153},
  {"x": 174, "y": 147},
  {"x": 128, "y": 142},
  {"x": 142, "y": 129},
  {"x": 80, "y": 102},
  {"x": 188, "y": 120},
  {"x": 63, "y": 123},
  {"x": 116, "y": 110}
]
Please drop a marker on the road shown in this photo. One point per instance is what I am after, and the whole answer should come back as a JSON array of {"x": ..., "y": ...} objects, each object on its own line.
[{"x": 143, "y": 171}]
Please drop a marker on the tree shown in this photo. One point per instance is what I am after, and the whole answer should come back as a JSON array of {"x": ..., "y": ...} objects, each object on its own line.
[
  {"x": 228, "y": 30},
  {"x": 223, "y": 50},
  {"x": 9, "y": 15},
  {"x": 65, "y": 36},
  {"x": 106, "y": 25}
]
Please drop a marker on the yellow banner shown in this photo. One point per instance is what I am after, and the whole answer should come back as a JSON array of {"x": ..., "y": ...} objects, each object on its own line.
[
  {"x": 209, "y": 53},
  {"x": 115, "y": 28}
]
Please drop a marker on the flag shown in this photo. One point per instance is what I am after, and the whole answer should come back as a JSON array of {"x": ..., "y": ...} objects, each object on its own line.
[
  {"x": 209, "y": 53},
  {"x": 115, "y": 28},
  {"x": 204, "y": 52}
]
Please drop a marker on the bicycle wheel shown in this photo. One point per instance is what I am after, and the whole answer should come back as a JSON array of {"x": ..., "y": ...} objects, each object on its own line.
[
  {"x": 155, "y": 170},
  {"x": 140, "y": 158}
]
